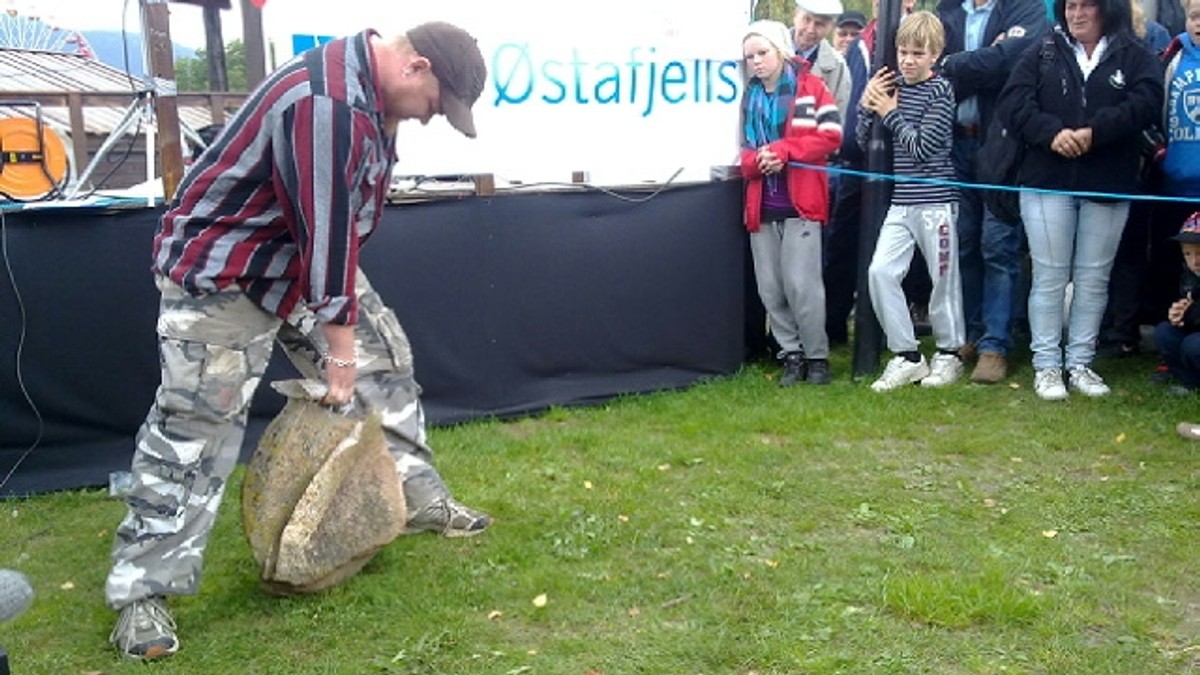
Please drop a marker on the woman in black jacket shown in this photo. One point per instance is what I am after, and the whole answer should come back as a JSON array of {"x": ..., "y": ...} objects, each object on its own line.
[{"x": 1078, "y": 103}]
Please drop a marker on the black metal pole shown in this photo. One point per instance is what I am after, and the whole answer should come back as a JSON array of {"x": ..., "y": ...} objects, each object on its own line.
[{"x": 877, "y": 192}]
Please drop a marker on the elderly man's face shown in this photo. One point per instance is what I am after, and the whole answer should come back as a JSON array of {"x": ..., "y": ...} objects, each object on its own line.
[{"x": 810, "y": 28}]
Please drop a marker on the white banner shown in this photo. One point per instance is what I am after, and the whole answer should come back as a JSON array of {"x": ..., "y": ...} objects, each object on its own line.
[{"x": 629, "y": 91}]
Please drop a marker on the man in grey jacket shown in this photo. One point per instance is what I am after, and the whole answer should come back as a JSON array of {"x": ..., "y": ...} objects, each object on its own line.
[{"x": 810, "y": 28}]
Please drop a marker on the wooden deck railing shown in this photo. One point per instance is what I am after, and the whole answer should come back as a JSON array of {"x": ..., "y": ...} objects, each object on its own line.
[{"x": 219, "y": 105}]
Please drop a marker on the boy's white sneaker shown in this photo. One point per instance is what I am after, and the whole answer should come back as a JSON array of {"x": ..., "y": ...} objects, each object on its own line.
[
  {"x": 1048, "y": 384},
  {"x": 1085, "y": 381},
  {"x": 944, "y": 369},
  {"x": 899, "y": 372}
]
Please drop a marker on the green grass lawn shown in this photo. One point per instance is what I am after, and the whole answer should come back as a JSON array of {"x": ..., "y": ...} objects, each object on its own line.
[{"x": 730, "y": 528}]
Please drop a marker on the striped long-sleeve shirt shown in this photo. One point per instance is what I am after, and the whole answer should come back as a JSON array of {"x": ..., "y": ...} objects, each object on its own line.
[
  {"x": 281, "y": 201},
  {"x": 922, "y": 130}
]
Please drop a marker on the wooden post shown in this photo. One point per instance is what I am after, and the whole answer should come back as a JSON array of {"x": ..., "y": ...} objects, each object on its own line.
[
  {"x": 485, "y": 184},
  {"x": 216, "y": 107},
  {"x": 252, "y": 39},
  {"x": 78, "y": 130},
  {"x": 156, "y": 33},
  {"x": 214, "y": 44}
]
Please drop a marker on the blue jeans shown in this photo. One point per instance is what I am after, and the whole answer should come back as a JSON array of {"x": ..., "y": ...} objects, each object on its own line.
[
  {"x": 1180, "y": 351},
  {"x": 1070, "y": 240},
  {"x": 988, "y": 260}
]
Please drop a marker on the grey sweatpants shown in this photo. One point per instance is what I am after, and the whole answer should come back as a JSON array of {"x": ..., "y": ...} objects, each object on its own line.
[
  {"x": 931, "y": 227},
  {"x": 213, "y": 351},
  {"x": 787, "y": 270}
]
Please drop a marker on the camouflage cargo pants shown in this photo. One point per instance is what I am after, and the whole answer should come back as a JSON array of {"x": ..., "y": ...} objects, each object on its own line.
[{"x": 213, "y": 351}]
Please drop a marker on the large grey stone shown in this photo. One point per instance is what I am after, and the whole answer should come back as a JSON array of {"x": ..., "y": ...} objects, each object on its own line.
[{"x": 320, "y": 498}]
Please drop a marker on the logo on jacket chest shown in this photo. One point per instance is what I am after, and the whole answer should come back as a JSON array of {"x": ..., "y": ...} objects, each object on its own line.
[
  {"x": 1191, "y": 105},
  {"x": 806, "y": 108},
  {"x": 1183, "y": 101},
  {"x": 806, "y": 111},
  {"x": 1117, "y": 79}
]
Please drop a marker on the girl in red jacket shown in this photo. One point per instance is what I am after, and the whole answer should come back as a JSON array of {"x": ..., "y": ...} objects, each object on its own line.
[{"x": 788, "y": 115}]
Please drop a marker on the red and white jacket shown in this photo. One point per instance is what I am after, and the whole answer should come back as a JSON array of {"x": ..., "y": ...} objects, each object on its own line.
[{"x": 813, "y": 132}]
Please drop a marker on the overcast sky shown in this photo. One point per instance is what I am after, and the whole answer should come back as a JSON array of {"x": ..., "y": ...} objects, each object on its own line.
[{"x": 187, "y": 28}]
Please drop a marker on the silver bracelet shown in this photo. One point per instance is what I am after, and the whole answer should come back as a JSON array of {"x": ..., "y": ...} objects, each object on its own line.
[{"x": 340, "y": 363}]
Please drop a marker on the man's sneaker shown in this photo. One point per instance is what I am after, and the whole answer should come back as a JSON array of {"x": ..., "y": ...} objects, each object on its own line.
[
  {"x": 818, "y": 371},
  {"x": 145, "y": 630},
  {"x": 967, "y": 352},
  {"x": 899, "y": 372},
  {"x": 795, "y": 369},
  {"x": 1048, "y": 384},
  {"x": 943, "y": 370},
  {"x": 448, "y": 518},
  {"x": 991, "y": 368},
  {"x": 1085, "y": 381}
]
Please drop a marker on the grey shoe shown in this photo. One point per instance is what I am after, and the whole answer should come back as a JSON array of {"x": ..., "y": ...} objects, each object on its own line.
[
  {"x": 1085, "y": 381},
  {"x": 145, "y": 630},
  {"x": 1048, "y": 384},
  {"x": 448, "y": 518}
]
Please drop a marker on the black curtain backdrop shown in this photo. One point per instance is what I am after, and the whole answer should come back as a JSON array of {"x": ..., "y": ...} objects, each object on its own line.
[{"x": 513, "y": 304}]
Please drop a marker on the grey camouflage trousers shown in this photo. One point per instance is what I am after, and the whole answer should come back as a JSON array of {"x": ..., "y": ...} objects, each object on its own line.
[{"x": 213, "y": 352}]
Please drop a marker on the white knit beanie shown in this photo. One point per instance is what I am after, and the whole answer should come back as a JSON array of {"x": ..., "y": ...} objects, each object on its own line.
[{"x": 779, "y": 35}]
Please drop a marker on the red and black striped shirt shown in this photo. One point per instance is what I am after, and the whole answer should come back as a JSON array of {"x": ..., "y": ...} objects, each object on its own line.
[{"x": 281, "y": 201}]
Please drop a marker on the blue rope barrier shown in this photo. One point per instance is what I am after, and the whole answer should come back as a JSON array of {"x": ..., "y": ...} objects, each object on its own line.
[{"x": 989, "y": 186}]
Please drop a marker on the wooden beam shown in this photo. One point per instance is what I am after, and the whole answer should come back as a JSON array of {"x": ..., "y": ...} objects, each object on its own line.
[
  {"x": 485, "y": 184},
  {"x": 156, "y": 34},
  {"x": 216, "y": 107},
  {"x": 252, "y": 41},
  {"x": 214, "y": 44},
  {"x": 78, "y": 131}
]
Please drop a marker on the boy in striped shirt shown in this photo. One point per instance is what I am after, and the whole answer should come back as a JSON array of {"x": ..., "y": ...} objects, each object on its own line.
[{"x": 917, "y": 109}]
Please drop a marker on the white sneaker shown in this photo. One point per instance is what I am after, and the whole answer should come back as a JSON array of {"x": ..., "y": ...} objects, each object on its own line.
[
  {"x": 943, "y": 370},
  {"x": 1085, "y": 381},
  {"x": 899, "y": 372},
  {"x": 1048, "y": 384}
]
